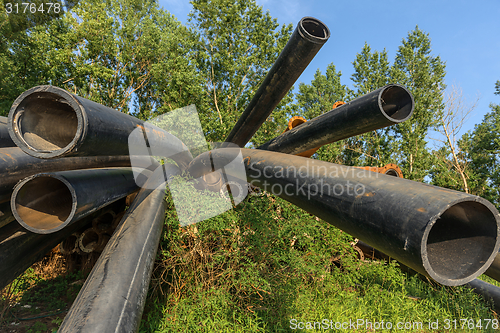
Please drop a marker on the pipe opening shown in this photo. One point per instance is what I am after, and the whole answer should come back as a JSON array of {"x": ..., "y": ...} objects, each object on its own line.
[
  {"x": 47, "y": 122},
  {"x": 316, "y": 30},
  {"x": 68, "y": 245},
  {"x": 104, "y": 223},
  {"x": 462, "y": 240},
  {"x": 397, "y": 103},
  {"x": 44, "y": 203},
  {"x": 392, "y": 172},
  {"x": 89, "y": 240}
]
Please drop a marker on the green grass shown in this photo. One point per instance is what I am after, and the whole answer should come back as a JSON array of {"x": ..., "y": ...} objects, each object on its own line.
[{"x": 268, "y": 266}]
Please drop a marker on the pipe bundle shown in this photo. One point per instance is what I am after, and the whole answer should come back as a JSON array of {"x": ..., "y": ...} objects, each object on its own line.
[{"x": 72, "y": 162}]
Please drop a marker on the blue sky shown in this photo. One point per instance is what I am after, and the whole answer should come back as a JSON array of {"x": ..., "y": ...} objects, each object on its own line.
[{"x": 464, "y": 34}]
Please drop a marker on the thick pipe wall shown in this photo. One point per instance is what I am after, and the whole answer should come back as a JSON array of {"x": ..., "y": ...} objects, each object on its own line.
[
  {"x": 449, "y": 236},
  {"x": 48, "y": 122},
  {"x": 48, "y": 202},
  {"x": 122, "y": 280},
  {"x": 304, "y": 44},
  {"x": 380, "y": 108},
  {"x": 16, "y": 165}
]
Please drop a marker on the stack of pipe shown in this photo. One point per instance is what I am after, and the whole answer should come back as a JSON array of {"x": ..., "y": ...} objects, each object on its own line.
[{"x": 449, "y": 236}]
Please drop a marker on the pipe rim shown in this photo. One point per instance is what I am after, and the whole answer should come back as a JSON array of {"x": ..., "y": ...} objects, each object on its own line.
[
  {"x": 18, "y": 113},
  {"x": 479, "y": 206},
  {"x": 385, "y": 102},
  {"x": 29, "y": 226},
  {"x": 313, "y": 30}
]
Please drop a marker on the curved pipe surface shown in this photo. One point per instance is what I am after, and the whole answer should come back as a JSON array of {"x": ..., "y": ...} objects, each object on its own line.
[
  {"x": 68, "y": 245},
  {"x": 23, "y": 248},
  {"x": 304, "y": 44},
  {"x": 488, "y": 291},
  {"x": 449, "y": 236},
  {"x": 48, "y": 122},
  {"x": 16, "y": 165},
  {"x": 48, "y": 202},
  {"x": 5, "y": 140},
  {"x": 104, "y": 223},
  {"x": 6, "y": 214},
  {"x": 380, "y": 108},
  {"x": 494, "y": 270},
  {"x": 122, "y": 280}
]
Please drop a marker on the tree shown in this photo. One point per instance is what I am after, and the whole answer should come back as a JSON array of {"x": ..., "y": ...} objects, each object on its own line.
[
  {"x": 371, "y": 71},
  {"x": 452, "y": 169},
  {"x": 237, "y": 45},
  {"x": 317, "y": 98},
  {"x": 482, "y": 147},
  {"x": 423, "y": 74},
  {"x": 120, "y": 53}
]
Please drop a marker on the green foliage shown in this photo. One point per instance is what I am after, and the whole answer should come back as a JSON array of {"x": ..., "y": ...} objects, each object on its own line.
[
  {"x": 423, "y": 74},
  {"x": 371, "y": 70},
  {"x": 317, "y": 98},
  {"x": 482, "y": 146},
  {"x": 118, "y": 53},
  {"x": 238, "y": 44}
]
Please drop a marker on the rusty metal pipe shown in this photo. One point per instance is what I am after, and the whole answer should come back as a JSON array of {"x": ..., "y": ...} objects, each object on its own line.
[
  {"x": 304, "y": 44},
  {"x": 48, "y": 122},
  {"x": 122, "y": 280},
  {"x": 5, "y": 140},
  {"x": 47, "y": 202},
  {"x": 449, "y": 236},
  {"x": 380, "y": 108},
  {"x": 69, "y": 244},
  {"x": 16, "y": 165},
  {"x": 89, "y": 240}
]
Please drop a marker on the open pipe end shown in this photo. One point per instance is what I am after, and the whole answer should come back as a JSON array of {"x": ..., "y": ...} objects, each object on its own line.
[
  {"x": 43, "y": 204},
  {"x": 462, "y": 242},
  {"x": 313, "y": 30},
  {"x": 46, "y": 122},
  {"x": 396, "y": 102}
]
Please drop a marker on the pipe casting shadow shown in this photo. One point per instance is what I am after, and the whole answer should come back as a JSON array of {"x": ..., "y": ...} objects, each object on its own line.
[{"x": 449, "y": 236}]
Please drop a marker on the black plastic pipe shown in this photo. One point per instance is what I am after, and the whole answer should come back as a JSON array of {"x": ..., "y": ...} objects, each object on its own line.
[
  {"x": 488, "y": 291},
  {"x": 23, "y": 248},
  {"x": 5, "y": 214},
  {"x": 113, "y": 296},
  {"x": 304, "y": 44},
  {"x": 5, "y": 140},
  {"x": 494, "y": 270},
  {"x": 380, "y": 108},
  {"x": 47, "y": 202},
  {"x": 48, "y": 121},
  {"x": 449, "y": 236},
  {"x": 16, "y": 165}
]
